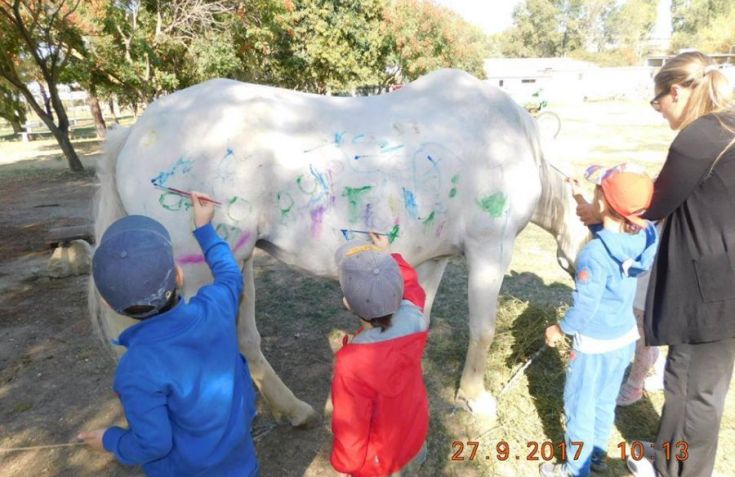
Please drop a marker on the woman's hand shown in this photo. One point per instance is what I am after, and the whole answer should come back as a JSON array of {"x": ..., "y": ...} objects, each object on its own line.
[{"x": 589, "y": 214}]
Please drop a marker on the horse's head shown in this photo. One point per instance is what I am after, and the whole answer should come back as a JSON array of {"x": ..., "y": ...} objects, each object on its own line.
[{"x": 556, "y": 213}]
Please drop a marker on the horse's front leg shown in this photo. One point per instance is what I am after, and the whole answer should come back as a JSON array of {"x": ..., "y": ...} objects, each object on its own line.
[
  {"x": 279, "y": 398},
  {"x": 486, "y": 264}
]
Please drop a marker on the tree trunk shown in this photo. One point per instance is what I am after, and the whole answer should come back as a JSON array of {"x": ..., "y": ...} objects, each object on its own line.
[
  {"x": 62, "y": 137},
  {"x": 111, "y": 104},
  {"x": 17, "y": 126},
  {"x": 46, "y": 100},
  {"x": 94, "y": 108}
]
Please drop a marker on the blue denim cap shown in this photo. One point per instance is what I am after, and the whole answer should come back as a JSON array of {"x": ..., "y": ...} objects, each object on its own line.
[{"x": 134, "y": 266}]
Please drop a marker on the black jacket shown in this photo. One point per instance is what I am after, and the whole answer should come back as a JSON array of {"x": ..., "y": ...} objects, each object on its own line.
[{"x": 691, "y": 294}]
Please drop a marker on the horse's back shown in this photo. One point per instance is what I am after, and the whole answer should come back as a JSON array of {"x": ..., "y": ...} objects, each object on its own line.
[{"x": 445, "y": 156}]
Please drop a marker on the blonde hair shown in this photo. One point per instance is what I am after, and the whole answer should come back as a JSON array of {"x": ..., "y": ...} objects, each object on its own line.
[{"x": 711, "y": 91}]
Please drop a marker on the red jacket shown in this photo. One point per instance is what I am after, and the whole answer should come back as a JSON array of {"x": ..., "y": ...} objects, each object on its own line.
[{"x": 381, "y": 409}]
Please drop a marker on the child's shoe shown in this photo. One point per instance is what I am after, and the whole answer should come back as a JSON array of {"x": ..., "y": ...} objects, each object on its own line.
[
  {"x": 547, "y": 469},
  {"x": 629, "y": 395},
  {"x": 599, "y": 461}
]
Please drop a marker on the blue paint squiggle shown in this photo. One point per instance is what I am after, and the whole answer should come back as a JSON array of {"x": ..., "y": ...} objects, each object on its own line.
[
  {"x": 409, "y": 200},
  {"x": 181, "y": 166}
]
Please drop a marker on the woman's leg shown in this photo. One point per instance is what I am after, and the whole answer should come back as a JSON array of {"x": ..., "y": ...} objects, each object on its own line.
[{"x": 696, "y": 383}]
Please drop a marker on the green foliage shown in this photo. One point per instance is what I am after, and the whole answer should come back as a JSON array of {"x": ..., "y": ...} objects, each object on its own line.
[
  {"x": 424, "y": 37},
  {"x": 12, "y": 109},
  {"x": 706, "y": 25},
  {"x": 334, "y": 45},
  {"x": 608, "y": 33}
]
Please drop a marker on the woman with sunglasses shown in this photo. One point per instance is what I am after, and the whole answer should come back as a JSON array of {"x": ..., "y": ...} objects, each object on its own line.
[{"x": 690, "y": 304}]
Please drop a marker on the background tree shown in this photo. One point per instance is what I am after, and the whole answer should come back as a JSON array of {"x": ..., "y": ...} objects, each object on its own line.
[
  {"x": 707, "y": 25},
  {"x": 43, "y": 32},
  {"x": 424, "y": 37},
  {"x": 12, "y": 109},
  {"x": 534, "y": 32},
  {"x": 332, "y": 46}
]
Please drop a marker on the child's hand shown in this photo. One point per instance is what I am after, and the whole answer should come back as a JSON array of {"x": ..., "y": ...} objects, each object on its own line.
[
  {"x": 93, "y": 439},
  {"x": 379, "y": 240},
  {"x": 553, "y": 334},
  {"x": 203, "y": 210},
  {"x": 576, "y": 191}
]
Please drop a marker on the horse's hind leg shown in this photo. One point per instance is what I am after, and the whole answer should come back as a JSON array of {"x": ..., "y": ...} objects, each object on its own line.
[
  {"x": 279, "y": 398},
  {"x": 486, "y": 265},
  {"x": 430, "y": 276}
]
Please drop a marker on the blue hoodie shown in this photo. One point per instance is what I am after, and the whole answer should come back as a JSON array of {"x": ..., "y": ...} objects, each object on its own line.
[
  {"x": 185, "y": 388},
  {"x": 607, "y": 268}
]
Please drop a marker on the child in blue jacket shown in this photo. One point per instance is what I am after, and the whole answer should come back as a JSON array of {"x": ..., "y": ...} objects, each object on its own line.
[
  {"x": 185, "y": 388},
  {"x": 601, "y": 318}
]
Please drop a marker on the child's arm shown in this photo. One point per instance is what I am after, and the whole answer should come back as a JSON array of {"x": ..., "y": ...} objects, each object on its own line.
[
  {"x": 350, "y": 421},
  {"x": 590, "y": 283},
  {"x": 412, "y": 289},
  {"x": 228, "y": 283},
  {"x": 149, "y": 435}
]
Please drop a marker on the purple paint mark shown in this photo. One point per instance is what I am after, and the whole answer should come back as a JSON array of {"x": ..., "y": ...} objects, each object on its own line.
[
  {"x": 440, "y": 229},
  {"x": 316, "y": 220},
  {"x": 197, "y": 259},
  {"x": 190, "y": 259},
  {"x": 368, "y": 214},
  {"x": 242, "y": 241}
]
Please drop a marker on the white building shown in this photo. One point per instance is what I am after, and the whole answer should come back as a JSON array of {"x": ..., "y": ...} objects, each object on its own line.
[{"x": 566, "y": 79}]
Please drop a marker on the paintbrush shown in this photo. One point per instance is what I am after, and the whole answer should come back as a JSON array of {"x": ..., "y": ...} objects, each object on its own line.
[
  {"x": 184, "y": 193},
  {"x": 578, "y": 197},
  {"x": 367, "y": 232}
]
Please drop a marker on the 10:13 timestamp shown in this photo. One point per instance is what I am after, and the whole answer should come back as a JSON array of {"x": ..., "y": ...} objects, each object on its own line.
[{"x": 637, "y": 450}]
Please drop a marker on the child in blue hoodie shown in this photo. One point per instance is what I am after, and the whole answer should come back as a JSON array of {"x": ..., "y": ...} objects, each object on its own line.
[
  {"x": 601, "y": 318},
  {"x": 185, "y": 388}
]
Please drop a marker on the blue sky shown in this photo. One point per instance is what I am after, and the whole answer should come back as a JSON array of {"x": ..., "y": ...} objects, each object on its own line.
[{"x": 491, "y": 15}]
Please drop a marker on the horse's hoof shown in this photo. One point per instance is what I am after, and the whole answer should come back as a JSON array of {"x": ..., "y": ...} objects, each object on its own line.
[
  {"x": 483, "y": 405},
  {"x": 305, "y": 418}
]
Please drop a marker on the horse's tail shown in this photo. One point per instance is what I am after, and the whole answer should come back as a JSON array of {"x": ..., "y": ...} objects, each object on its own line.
[
  {"x": 107, "y": 208},
  {"x": 534, "y": 136}
]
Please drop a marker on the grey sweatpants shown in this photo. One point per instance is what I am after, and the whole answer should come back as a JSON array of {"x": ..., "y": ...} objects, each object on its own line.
[{"x": 695, "y": 384}]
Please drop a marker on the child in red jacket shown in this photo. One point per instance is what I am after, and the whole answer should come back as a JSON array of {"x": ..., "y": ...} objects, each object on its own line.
[{"x": 381, "y": 410}]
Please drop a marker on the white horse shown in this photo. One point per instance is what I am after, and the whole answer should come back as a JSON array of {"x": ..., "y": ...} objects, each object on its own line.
[{"x": 447, "y": 165}]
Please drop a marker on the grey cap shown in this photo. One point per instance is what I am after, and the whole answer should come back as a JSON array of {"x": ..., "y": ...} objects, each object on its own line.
[
  {"x": 133, "y": 266},
  {"x": 371, "y": 280}
]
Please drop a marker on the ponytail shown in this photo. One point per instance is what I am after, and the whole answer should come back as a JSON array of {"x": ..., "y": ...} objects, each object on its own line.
[{"x": 711, "y": 91}]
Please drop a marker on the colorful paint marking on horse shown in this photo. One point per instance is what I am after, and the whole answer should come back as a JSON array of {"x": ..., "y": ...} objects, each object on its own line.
[
  {"x": 493, "y": 204},
  {"x": 182, "y": 166},
  {"x": 354, "y": 197}
]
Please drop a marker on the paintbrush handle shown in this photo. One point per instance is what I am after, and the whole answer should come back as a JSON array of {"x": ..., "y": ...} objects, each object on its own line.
[
  {"x": 363, "y": 232},
  {"x": 187, "y": 194}
]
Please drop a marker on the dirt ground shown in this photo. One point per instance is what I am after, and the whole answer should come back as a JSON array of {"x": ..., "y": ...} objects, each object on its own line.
[{"x": 55, "y": 376}]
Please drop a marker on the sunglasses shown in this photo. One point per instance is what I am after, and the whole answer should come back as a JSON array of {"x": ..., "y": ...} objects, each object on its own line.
[{"x": 656, "y": 101}]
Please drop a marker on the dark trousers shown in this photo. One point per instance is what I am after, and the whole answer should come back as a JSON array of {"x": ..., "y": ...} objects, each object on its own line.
[{"x": 696, "y": 382}]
